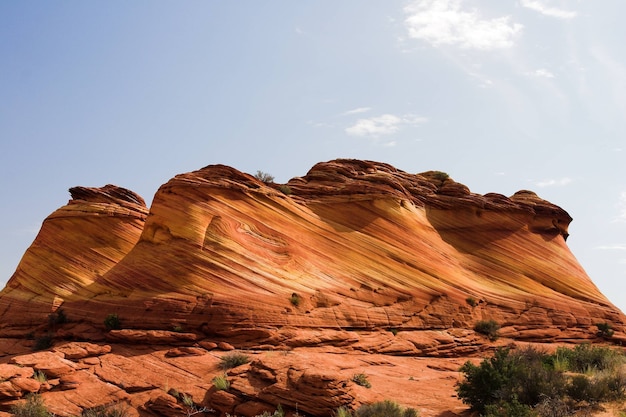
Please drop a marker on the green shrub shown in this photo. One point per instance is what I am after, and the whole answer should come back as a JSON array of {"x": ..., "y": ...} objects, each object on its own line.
[
  {"x": 102, "y": 411},
  {"x": 385, "y": 409},
  {"x": 57, "y": 317},
  {"x": 361, "y": 379},
  {"x": 232, "y": 360},
  {"x": 471, "y": 301},
  {"x": 112, "y": 322},
  {"x": 511, "y": 408},
  {"x": 587, "y": 358},
  {"x": 43, "y": 342},
  {"x": 295, "y": 299},
  {"x": 264, "y": 176},
  {"x": 487, "y": 327},
  {"x": 285, "y": 189},
  {"x": 342, "y": 412},
  {"x": 33, "y": 406},
  {"x": 604, "y": 330},
  {"x": 40, "y": 376},
  {"x": 522, "y": 376},
  {"x": 221, "y": 383}
]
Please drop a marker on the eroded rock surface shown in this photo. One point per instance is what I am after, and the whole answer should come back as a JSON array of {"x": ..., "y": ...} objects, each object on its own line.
[{"x": 356, "y": 266}]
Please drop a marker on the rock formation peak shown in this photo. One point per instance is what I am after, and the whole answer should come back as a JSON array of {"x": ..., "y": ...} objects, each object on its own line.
[{"x": 355, "y": 256}]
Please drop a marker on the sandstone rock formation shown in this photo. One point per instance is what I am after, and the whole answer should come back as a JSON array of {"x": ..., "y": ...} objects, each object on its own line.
[{"x": 356, "y": 260}]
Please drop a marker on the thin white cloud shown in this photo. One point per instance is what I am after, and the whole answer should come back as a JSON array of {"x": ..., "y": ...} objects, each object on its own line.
[
  {"x": 554, "y": 182},
  {"x": 540, "y": 7},
  {"x": 543, "y": 73},
  {"x": 612, "y": 247},
  {"x": 358, "y": 110},
  {"x": 621, "y": 217},
  {"x": 386, "y": 124},
  {"x": 443, "y": 22}
]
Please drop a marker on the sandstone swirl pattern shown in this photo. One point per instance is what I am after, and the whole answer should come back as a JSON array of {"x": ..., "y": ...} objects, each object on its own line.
[{"x": 354, "y": 246}]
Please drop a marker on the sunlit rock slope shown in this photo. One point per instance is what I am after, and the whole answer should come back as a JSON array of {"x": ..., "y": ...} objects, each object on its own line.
[{"x": 353, "y": 247}]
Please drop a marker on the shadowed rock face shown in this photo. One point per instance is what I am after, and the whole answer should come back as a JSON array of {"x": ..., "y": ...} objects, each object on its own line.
[{"x": 355, "y": 256}]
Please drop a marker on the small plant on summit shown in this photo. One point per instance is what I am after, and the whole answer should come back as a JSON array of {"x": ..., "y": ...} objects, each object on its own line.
[
  {"x": 605, "y": 330},
  {"x": 232, "y": 360},
  {"x": 361, "y": 379},
  {"x": 440, "y": 175},
  {"x": 264, "y": 176},
  {"x": 488, "y": 327},
  {"x": 112, "y": 322},
  {"x": 221, "y": 383}
]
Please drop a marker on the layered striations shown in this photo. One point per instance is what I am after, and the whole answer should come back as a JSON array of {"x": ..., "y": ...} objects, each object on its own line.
[{"x": 353, "y": 245}]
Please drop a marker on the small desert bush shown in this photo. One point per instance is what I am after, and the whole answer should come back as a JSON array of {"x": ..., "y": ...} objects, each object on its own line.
[
  {"x": 232, "y": 360},
  {"x": 471, "y": 301},
  {"x": 342, "y": 412},
  {"x": 33, "y": 406},
  {"x": 102, "y": 411},
  {"x": 221, "y": 383},
  {"x": 361, "y": 379},
  {"x": 295, "y": 299},
  {"x": 264, "y": 176},
  {"x": 285, "y": 189},
  {"x": 487, "y": 327},
  {"x": 385, "y": 408},
  {"x": 587, "y": 358},
  {"x": 605, "y": 330},
  {"x": 43, "y": 342},
  {"x": 112, "y": 322},
  {"x": 511, "y": 381},
  {"x": 40, "y": 377}
]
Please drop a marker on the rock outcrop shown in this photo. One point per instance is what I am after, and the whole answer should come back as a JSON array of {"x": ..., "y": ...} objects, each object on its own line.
[{"x": 355, "y": 257}]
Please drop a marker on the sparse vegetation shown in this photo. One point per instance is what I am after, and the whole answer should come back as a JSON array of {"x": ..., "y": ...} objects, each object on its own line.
[
  {"x": 471, "y": 301},
  {"x": 232, "y": 360},
  {"x": 342, "y": 412},
  {"x": 361, "y": 379},
  {"x": 112, "y": 322},
  {"x": 605, "y": 330},
  {"x": 529, "y": 382},
  {"x": 385, "y": 408},
  {"x": 33, "y": 406},
  {"x": 178, "y": 329},
  {"x": 278, "y": 413},
  {"x": 295, "y": 299},
  {"x": 113, "y": 411},
  {"x": 285, "y": 189},
  {"x": 221, "y": 383},
  {"x": 43, "y": 342},
  {"x": 264, "y": 177},
  {"x": 58, "y": 317},
  {"x": 40, "y": 377},
  {"x": 488, "y": 327},
  {"x": 440, "y": 175}
]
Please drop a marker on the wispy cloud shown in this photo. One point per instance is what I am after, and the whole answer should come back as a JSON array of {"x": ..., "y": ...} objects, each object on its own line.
[
  {"x": 540, "y": 7},
  {"x": 612, "y": 247},
  {"x": 385, "y": 124},
  {"x": 621, "y": 217},
  {"x": 542, "y": 73},
  {"x": 560, "y": 182},
  {"x": 443, "y": 22},
  {"x": 358, "y": 110}
]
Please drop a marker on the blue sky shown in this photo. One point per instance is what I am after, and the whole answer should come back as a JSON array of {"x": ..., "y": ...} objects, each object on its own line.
[{"x": 527, "y": 94}]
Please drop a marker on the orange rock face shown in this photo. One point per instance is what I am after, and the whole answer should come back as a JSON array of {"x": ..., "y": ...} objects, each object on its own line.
[{"x": 356, "y": 256}]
